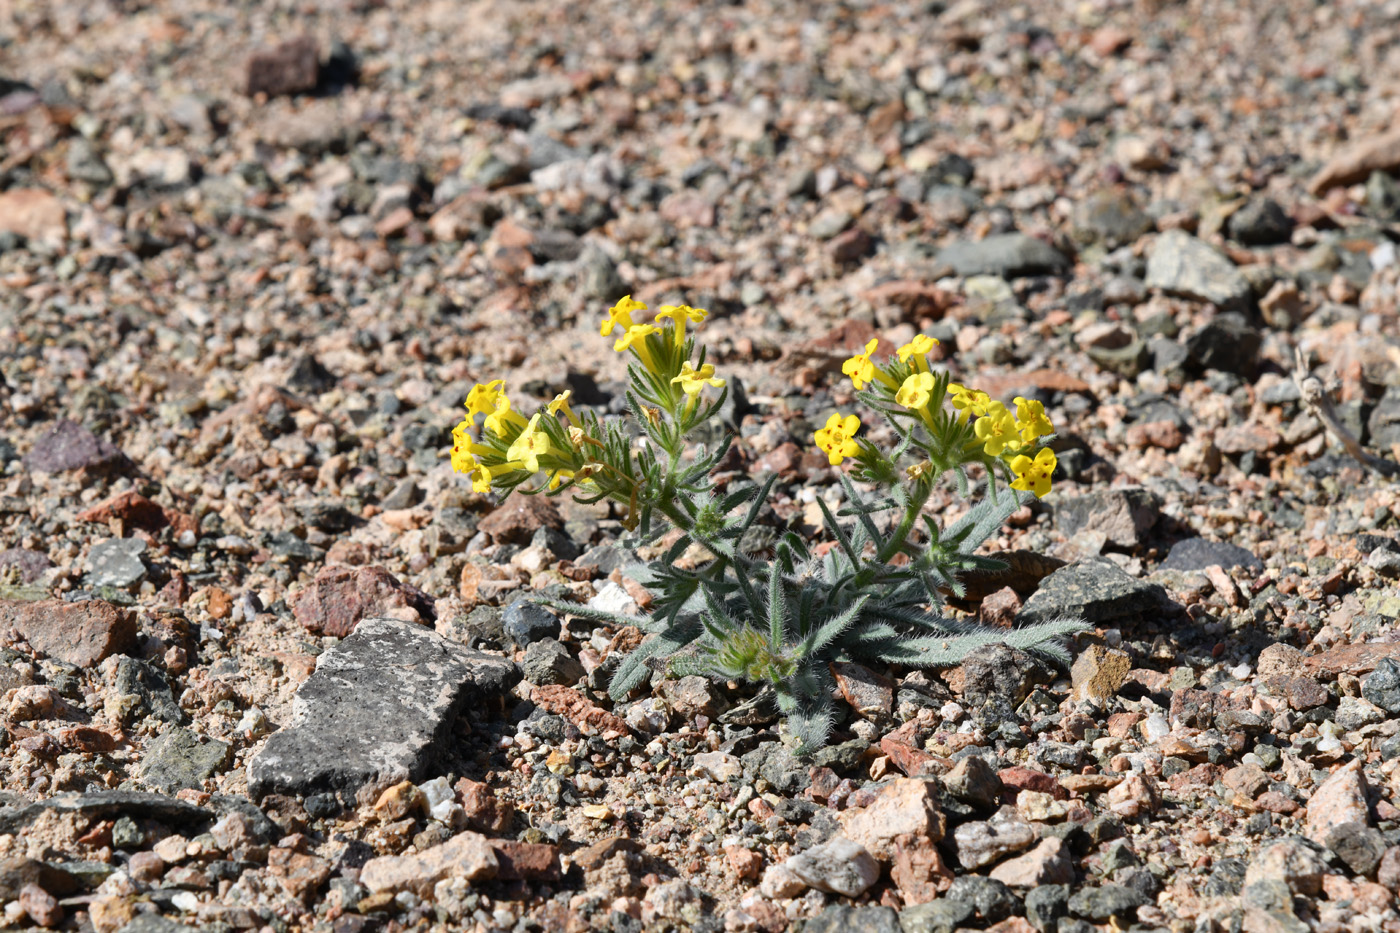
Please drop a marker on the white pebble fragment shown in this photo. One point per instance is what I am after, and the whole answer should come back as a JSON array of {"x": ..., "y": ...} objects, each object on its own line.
[{"x": 441, "y": 799}]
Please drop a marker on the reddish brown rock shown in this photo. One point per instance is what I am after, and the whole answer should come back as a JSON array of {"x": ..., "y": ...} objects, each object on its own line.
[
  {"x": 1274, "y": 802},
  {"x": 1349, "y": 659},
  {"x": 467, "y": 855},
  {"x": 526, "y": 861},
  {"x": 1000, "y": 608},
  {"x": 291, "y": 67},
  {"x": 131, "y": 508},
  {"x": 746, "y": 864},
  {"x": 34, "y": 214},
  {"x": 81, "y": 633},
  {"x": 915, "y": 299},
  {"x": 1016, "y": 779},
  {"x": 516, "y": 520},
  {"x": 485, "y": 811},
  {"x": 918, "y": 870},
  {"x": 1242, "y": 438},
  {"x": 41, "y": 906},
  {"x": 340, "y": 597},
  {"x": 869, "y": 694},
  {"x": 86, "y": 739},
  {"x": 580, "y": 710},
  {"x": 902, "y": 747},
  {"x": 1339, "y": 800},
  {"x": 905, "y": 807},
  {"x": 1301, "y": 692},
  {"x": 1163, "y": 434},
  {"x": 464, "y": 216}
]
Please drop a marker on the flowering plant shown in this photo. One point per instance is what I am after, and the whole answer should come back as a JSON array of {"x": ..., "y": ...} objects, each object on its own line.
[{"x": 872, "y": 595}]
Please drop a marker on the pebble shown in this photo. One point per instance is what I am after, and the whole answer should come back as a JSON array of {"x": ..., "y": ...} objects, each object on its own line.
[
  {"x": 839, "y": 866},
  {"x": 1180, "y": 264},
  {"x": 117, "y": 563}
]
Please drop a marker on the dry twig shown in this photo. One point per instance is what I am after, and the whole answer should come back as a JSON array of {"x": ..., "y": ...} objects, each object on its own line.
[{"x": 1319, "y": 402}]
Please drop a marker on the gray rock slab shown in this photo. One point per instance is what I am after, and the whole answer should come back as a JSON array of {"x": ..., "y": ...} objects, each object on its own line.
[
  {"x": 376, "y": 710},
  {"x": 116, "y": 562},
  {"x": 180, "y": 758},
  {"x": 1095, "y": 590},
  {"x": 1124, "y": 515},
  {"x": 1200, "y": 553},
  {"x": 1008, "y": 255},
  {"x": 1180, "y": 264},
  {"x": 107, "y": 804}
]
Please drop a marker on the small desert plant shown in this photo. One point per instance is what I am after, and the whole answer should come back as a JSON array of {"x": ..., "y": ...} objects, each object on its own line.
[{"x": 873, "y": 595}]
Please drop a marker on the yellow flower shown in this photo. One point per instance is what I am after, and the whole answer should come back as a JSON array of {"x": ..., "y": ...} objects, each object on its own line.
[
  {"x": 636, "y": 340},
  {"x": 837, "y": 438},
  {"x": 500, "y": 420},
  {"x": 969, "y": 401},
  {"x": 463, "y": 460},
  {"x": 481, "y": 478},
  {"x": 561, "y": 401},
  {"x": 481, "y": 400},
  {"x": 530, "y": 445},
  {"x": 859, "y": 367},
  {"x": 916, "y": 348},
  {"x": 558, "y": 477},
  {"x": 915, "y": 391},
  {"x": 692, "y": 380},
  {"x": 679, "y": 314},
  {"x": 1031, "y": 421},
  {"x": 620, "y": 314},
  {"x": 1034, "y": 475},
  {"x": 996, "y": 430}
]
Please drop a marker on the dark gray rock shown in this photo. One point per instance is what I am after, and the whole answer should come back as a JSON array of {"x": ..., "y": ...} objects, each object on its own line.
[
  {"x": 992, "y": 900},
  {"x": 1180, "y": 264},
  {"x": 526, "y": 621},
  {"x": 308, "y": 375},
  {"x": 1109, "y": 900},
  {"x": 1261, "y": 222},
  {"x": 85, "y": 163},
  {"x": 70, "y": 446},
  {"x": 941, "y": 916},
  {"x": 139, "y": 679},
  {"x": 1226, "y": 343},
  {"x": 1359, "y": 846},
  {"x": 377, "y": 710},
  {"x": 1382, "y": 196},
  {"x": 549, "y": 662},
  {"x": 973, "y": 780},
  {"x": 180, "y": 758},
  {"x": 1095, "y": 590},
  {"x": 109, "y": 805},
  {"x": 1384, "y": 424},
  {"x": 773, "y": 762},
  {"x": 116, "y": 562},
  {"x": 1124, "y": 514},
  {"x": 1009, "y": 255},
  {"x": 840, "y": 918},
  {"x": 556, "y": 542},
  {"x": 1000, "y": 672},
  {"x": 1046, "y": 905},
  {"x": 1200, "y": 553},
  {"x": 1383, "y": 686},
  {"x": 1110, "y": 217},
  {"x": 605, "y": 558}
]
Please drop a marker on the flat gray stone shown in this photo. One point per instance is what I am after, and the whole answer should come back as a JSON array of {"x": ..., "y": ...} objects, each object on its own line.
[
  {"x": 180, "y": 758},
  {"x": 106, "y": 804},
  {"x": 1124, "y": 515},
  {"x": 1200, "y": 553},
  {"x": 1096, "y": 591},
  {"x": 116, "y": 562},
  {"x": 376, "y": 710},
  {"x": 1009, "y": 255},
  {"x": 1180, "y": 264}
]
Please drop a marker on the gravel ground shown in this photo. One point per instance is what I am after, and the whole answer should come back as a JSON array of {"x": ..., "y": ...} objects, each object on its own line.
[{"x": 269, "y": 664}]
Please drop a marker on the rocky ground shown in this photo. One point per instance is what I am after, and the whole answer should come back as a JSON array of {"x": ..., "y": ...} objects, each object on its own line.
[{"x": 269, "y": 664}]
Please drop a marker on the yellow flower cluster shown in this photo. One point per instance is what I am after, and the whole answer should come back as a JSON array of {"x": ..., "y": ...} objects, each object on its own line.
[
  {"x": 999, "y": 431},
  {"x": 511, "y": 443}
]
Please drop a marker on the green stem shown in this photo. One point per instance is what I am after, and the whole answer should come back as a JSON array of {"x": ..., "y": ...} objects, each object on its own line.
[{"x": 895, "y": 543}]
